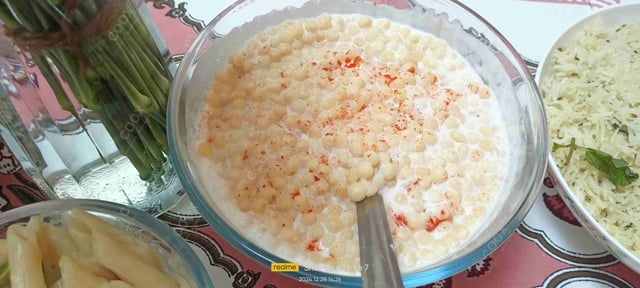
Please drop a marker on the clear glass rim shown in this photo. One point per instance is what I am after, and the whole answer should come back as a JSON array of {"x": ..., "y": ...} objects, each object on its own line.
[
  {"x": 138, "y": 217},
  {"x": 178, "y": 154}
]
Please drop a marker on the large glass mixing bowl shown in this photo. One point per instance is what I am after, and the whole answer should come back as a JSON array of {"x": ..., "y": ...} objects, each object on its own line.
[{"x": 493, "y": 58}]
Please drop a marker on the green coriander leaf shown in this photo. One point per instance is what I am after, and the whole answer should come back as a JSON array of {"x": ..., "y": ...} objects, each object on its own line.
[{"x": 616, "y": 170}]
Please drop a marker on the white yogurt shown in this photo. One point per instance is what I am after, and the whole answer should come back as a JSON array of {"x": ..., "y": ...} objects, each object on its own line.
[{"x": 312, "y": 115}]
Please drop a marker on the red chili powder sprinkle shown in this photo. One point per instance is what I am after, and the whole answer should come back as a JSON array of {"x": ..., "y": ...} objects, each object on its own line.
[
  {"x": 245, "y": 155},
  {"x": 400, "y": 125},
  {"x": 355, "y": 63},
  {"x": 388, "y": 79},
  {"x": 314, "y": 63},
  {"x": 330, "y": 78},
  {"x": 412, "y": 70},
  {"x": 284, "y": 86},
  {"x": 400, "y": 219},
  {"x": 433, "y": 223},
  {"x": 312, "y": 246},
  {"x": 316, "y": 178},
  {"x": 295, "y": 194},
  {"x": 282, "y": 74}
]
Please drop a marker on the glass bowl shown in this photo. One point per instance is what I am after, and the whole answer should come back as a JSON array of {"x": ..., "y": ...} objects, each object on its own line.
[
  {"x": 176, "y": 255},
  {"x": 493, "y": 58},
  {"x": 612, "y": 17}
]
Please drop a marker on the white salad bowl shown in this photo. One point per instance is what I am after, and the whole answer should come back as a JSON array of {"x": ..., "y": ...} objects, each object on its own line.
[{"x": 612, "y": 17}]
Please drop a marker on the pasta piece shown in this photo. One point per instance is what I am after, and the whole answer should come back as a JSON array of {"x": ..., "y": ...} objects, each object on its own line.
[
  {"x": 93, "y": 265},
  {"x": 48, "y": 249},
  {"x": 67, "y": 245},
  {"x": 81, "y": 235},
  {"x": 5, "y": 276},
  {"x": 58, "y": 284},
  {"x": 25, "y": 259},
  {"x": 181, "y": 282},
  {"x": 62, "y": 240},
  {"x": 116, "y": 284},
  {"x": 75, "y": 275},
  {"x": 133, "y": 246},
  {"x": 129, "y": 267},
  {"x": 3, "y": 251}
]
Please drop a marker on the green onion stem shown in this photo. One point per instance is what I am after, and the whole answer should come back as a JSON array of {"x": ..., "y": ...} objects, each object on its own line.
[
  {"x": 47, "y": 23},
  {"x": 7, "y": 17},
  {"x": 154, "y": 76},
  {"x": 20, "y": 13},
  {"x": 52, "y": 79},
  {"x": 113, "y": 76},
  {"x": 142, "y": 31}
]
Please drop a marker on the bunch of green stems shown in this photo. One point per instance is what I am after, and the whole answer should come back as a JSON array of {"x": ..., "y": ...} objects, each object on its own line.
[{"x": 119, "y": 74}]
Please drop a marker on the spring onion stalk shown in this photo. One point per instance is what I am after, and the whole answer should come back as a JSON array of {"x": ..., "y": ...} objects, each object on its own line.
[{"x": 119, "y": 74}]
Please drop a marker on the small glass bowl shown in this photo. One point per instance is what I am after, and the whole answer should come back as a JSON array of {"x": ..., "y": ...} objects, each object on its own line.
[
  {"x": 488, "y": 52},
  {"x": 178, "y": 258}
]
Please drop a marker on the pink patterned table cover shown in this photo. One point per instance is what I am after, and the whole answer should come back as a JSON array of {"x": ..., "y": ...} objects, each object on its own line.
[{"x": 549, "y": 249}]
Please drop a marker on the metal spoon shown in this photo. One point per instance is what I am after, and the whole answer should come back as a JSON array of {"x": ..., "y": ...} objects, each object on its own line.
[{"x": 379, "y": 265}]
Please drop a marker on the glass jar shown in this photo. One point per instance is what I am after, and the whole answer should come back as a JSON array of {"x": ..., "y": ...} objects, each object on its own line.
[{"x": 85, "y": 87}]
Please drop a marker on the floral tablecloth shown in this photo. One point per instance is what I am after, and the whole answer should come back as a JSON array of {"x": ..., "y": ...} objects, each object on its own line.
[{"x": 549, "y": 249}]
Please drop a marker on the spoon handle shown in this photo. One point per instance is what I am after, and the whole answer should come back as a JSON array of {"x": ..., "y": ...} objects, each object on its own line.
[{"x": 377, "y": 256}]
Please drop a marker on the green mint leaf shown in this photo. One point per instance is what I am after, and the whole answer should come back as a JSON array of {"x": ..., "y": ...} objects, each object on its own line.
[
  {"x": 619, "y": 163},
  {"x": 616, "y": 170}
]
